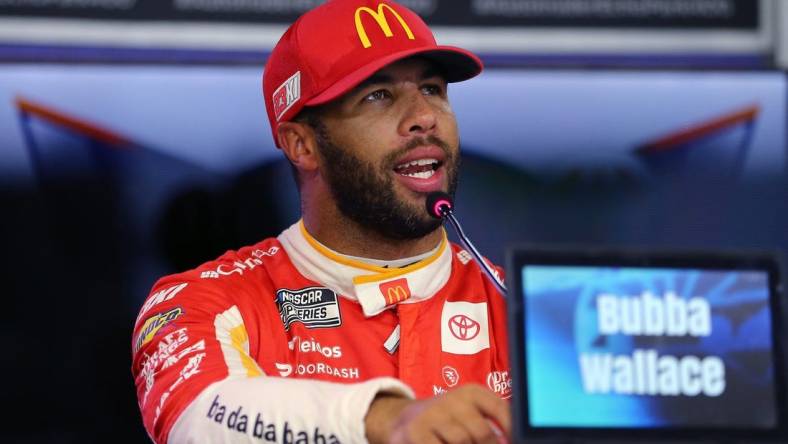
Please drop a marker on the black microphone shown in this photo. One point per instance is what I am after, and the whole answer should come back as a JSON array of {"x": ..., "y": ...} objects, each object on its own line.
[{"x": 441, "y": 206}]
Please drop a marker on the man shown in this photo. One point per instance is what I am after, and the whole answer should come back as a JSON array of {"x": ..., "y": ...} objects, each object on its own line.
[{"x": 346, "y": 326}]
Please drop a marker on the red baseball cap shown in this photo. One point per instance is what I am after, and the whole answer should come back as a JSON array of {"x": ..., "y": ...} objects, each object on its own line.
[{"x": 334, "y": 47}]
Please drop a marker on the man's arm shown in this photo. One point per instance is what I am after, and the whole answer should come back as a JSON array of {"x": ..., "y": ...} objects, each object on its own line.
[
  {"x": 468, "y": 414},
  {"x": 271, "y": 409},
  {"x": 197, "y": 381}
]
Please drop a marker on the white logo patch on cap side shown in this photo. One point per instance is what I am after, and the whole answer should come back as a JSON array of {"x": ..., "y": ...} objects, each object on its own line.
[{"x": 287, "y": 94}]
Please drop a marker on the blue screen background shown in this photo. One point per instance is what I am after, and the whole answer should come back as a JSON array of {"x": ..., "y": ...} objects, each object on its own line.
[{"x": 561, "y": 323}]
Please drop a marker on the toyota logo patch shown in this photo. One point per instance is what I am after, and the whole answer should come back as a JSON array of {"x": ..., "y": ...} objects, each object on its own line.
[{"x": 463, "y": 327}]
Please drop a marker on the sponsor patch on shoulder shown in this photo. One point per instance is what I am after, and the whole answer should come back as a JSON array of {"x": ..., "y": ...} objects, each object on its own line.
[
  {"x": 155, "y": 323},
  {"x": 464, "y": 257},
  {"x": 161, "y": 296},
  {"x": 315, "y": 307}
]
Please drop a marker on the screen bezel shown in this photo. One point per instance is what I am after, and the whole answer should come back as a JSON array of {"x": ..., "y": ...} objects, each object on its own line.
[{"x": 518, "y": 257}]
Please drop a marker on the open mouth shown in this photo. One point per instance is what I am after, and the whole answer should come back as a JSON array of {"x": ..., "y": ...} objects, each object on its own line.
[{"x": 419, "y": 168}]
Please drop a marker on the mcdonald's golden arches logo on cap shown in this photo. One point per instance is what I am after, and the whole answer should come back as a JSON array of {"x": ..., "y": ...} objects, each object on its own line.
[
  {"x": 395, "y": 291},
  {"x": 380, "y": 18}
]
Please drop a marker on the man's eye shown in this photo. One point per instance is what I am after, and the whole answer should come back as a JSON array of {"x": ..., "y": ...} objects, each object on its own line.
[
  {"x": 375, "y": 96},
  {"x": 431, "y": 90}
]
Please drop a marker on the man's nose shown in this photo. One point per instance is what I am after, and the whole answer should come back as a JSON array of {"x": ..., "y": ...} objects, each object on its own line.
[{"x": 420, "y": 116}]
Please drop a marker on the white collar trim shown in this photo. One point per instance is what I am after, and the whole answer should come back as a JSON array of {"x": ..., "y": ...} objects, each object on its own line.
[{"x": 375, "y": 288}]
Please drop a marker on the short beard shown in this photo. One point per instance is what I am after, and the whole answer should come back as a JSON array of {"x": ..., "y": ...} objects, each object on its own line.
[{"x": 364, "y": 193}]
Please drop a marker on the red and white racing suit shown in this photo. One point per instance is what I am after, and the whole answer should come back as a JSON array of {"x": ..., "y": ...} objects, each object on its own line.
[{"x": 286, "y": 341}]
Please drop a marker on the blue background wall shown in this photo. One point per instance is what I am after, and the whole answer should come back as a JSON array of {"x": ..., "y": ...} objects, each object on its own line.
[{"x": 549, "y": 157}]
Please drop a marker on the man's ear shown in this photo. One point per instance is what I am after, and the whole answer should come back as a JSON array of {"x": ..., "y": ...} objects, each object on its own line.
[{"x": 299, "y": 144}]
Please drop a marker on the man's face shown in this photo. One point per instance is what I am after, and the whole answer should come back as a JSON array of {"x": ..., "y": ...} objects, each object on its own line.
[{"x": 388, "y": 143}]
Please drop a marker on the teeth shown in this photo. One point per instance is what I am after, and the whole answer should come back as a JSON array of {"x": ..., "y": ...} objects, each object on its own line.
[
  {"x": 418, "y": 162},
  {"x": 422, "y": 175}
]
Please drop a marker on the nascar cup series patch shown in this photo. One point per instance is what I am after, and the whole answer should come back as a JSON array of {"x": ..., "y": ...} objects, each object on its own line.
[{"x": 315, "y": 307}]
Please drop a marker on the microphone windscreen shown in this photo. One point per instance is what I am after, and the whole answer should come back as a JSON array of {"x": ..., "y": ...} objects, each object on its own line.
[{"x": 436, "y": 201}]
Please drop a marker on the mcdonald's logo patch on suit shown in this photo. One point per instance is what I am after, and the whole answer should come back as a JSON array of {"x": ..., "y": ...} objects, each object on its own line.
[{"x": 395, "y": 291}]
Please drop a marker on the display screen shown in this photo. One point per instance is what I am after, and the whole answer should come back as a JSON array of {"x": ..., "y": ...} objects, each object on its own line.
[{"x": 651, "y": 348}]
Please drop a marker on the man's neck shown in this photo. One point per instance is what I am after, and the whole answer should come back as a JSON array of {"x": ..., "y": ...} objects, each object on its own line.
[{"x": 348, "y": 237}]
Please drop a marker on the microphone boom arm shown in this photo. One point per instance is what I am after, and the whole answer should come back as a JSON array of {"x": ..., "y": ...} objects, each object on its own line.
[{"x": 447, "y": 213}]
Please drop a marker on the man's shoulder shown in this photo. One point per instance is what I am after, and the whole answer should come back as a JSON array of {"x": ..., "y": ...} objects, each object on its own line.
[
  {"x": 461, "y": 254},
  {"x": 234, "y": 267},
  {"x": 241, "y": 261},
  {"x": 467, "y": 267},
  {"x": 465, "y": 258},
  {"x": 219, "y": 281}
]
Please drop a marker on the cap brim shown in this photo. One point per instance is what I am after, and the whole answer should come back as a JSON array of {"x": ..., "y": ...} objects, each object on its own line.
[{"x": 457, "y": 65}]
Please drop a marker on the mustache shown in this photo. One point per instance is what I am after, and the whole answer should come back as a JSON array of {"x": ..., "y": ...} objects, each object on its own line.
[
  {"x": 416, "y": 142},
  {"x": 429, "y": 140}
]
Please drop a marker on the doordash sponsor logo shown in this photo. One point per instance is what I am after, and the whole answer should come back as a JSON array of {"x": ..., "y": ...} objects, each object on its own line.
[
  {"x": 320, "y": 368},
  {"x": 284, "y": 369}
]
